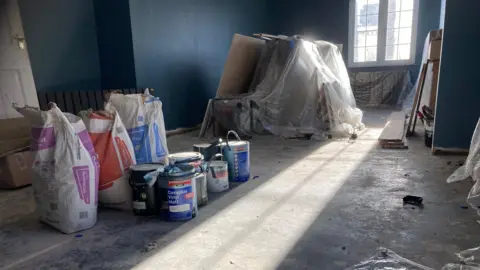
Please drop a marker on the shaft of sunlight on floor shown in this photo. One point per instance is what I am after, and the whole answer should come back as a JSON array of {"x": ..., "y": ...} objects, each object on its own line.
[{"x": 259, "y": 229}]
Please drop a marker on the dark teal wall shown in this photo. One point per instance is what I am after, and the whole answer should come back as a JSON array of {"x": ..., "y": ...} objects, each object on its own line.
[
  {"x": 115, "y": 45},
  {"x": 458, "y": 90},
  {"x": 318, "y": 19},
  {"x": 180, "y": 47},
  {"x": 62, "y": 44}
]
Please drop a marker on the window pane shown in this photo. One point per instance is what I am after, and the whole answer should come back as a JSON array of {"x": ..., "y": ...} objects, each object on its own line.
[
  {"x": 360, "y": 39},
  {"x": 372, "y": 22},
  {"x": 406, "y": 19},
  {"x": 392, "y": 36},
  {"x": 373, "y": 7},
  {"x": 371, "y": 54},
  {"x": 361, "y": 7},
  {"x": 407, "y": 4},
  {"x": 404, "y": 52},
  {"x": 372, "y": 38},
  {"x": 393, "y": 5},
  {"x": 398, "y": 30},
  {"x": 405, "y": 36},
  {"x": 359, "y": 55},
  {"x": 360, "y": 21},
  {"x": 391, "y": 52},
  {"x": 393, "y": 20}
]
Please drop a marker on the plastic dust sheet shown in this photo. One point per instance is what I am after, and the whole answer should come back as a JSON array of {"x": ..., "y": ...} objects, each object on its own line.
[
  {"x": 385, "y": 259},
  {"x": 408, "y": 101},
  {"x": 469, "y": 260},
  {"x": 471, "y": 168},
  {"x": 381, "y": 88},
  {"x": 234, "y": 114},
  {"x": 302, "y": 87}
]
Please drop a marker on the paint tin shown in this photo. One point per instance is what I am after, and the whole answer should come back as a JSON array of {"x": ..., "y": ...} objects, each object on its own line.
[
  {"x": 217, "y": 176},
  {"x": 176, "y": 190},
  {"x": 145, "y": 201},
  {"x": 196, "y": 160},
  {"x": 237, "y": 154},
  {"x": 193, "y": 158},
  {"x": 208, "y": 150},
  {"x": 201, "y": 194}
]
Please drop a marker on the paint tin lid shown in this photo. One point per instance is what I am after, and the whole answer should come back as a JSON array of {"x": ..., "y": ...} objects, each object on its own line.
[
  {"x": 202, "y": 145},
  {"x": 146, "y": 167},
  {"x": 237, "y": 143},
  {"x": 178, "y": 170},
  {"x": 185, "y": 157}
]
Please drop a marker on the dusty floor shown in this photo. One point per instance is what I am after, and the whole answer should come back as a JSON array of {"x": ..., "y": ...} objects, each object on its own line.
[{"x": 314, "y": 205}]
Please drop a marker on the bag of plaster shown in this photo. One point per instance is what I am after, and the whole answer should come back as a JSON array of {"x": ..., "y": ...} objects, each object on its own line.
[
  {"x": 115, "y": 154},
  {"x": 65, "y": 169},
  {"x": 143, "y": 117}
]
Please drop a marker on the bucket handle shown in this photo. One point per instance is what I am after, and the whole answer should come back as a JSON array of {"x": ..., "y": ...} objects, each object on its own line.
[
  {"x": 214, "y": 144},
  {"x": 216, "y": 155},
  {"x": 228, "y": 135},
  {"x": 214, "y": 175},
  {"x": 207, "y": 167}
]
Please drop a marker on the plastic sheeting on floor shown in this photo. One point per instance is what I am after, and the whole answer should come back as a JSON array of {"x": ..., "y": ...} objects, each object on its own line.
[
  {"x": 385, "y": 259},
  {"x": 381, "y": 88},
  {"x": 469, "y": 260},
  {"x": 299, "y": 88},
  {"x": 471, "y": 168}
]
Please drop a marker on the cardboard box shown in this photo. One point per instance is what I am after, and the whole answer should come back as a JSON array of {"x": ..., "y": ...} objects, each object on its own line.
[
  {"x": 434, "y": 50},
  {"x": 15, "y": 161},
  {"x": 435, "y": 34},
  {"x": 15, "y": 170}
]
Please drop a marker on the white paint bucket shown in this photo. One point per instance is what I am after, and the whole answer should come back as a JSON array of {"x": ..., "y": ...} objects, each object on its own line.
[{"x": 217, "y": 176}]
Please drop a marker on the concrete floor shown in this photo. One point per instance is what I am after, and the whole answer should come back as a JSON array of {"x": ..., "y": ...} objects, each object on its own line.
[{"x": 314, "y": 205}]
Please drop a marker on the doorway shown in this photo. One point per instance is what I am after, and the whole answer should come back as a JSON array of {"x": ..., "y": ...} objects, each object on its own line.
[{"x": 16, "y": 79}]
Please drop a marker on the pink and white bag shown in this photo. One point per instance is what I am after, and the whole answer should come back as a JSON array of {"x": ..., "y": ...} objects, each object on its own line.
[{"x": 65, "y": 169}]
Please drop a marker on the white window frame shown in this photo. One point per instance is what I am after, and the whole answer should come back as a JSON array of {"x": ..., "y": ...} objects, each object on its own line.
[{"x": 381, "y": 41}]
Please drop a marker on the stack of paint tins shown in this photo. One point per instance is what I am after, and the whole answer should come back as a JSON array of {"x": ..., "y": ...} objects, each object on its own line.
[
  {"x": 235, "y": 168},
  {"x": 177, "y": 190},
  {"x": 216, "y": 168},
  {"x": 168, "y": 191}
]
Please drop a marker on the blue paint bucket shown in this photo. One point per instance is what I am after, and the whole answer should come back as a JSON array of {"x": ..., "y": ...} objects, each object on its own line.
[
  {"x": 193, "y": 158},
  {"x": 177, "y": 191},
  {"x": 196, "y": 160},
  {"x": 237, "y": 155}
]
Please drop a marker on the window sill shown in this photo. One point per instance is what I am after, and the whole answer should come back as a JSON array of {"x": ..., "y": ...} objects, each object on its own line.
[{"x": 381, "y": 64}]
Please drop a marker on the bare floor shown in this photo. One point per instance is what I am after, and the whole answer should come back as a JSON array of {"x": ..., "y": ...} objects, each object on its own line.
[{"x": 314, "y": 205}]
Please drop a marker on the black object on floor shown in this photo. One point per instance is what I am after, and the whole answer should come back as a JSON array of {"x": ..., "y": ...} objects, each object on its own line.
[{"x": 413, "y": 200}]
